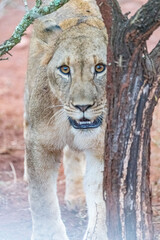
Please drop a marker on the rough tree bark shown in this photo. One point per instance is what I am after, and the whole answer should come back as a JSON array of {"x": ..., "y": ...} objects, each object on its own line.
[{"x": 133, "y": 88}]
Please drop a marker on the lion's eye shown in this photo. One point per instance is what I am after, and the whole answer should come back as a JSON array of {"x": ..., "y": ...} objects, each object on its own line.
[
  {"x": 65, "y": 69},
  {"x": 100, "y": 68}
]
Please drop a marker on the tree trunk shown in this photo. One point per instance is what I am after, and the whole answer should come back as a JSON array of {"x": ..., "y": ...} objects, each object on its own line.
[{"x": 133, "y": 89}]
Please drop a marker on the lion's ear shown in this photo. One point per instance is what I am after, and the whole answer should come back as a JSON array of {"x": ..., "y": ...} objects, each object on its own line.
[
  {"x": 45, "y": 34},
  {"x": 44, "y": 30}
]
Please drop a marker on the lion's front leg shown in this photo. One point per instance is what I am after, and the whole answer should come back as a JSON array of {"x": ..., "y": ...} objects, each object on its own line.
[
  {"x": 93, "y": 184},
  {"x": 74, "y": 169},
  {"x": 42, "y": 170}
]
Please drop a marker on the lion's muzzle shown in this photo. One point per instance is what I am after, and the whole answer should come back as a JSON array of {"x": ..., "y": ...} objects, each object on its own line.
[{"x": 86, "y": 123}]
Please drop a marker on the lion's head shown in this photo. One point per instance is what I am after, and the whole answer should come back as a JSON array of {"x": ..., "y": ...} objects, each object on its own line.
[{"x": 77, "y": 75}]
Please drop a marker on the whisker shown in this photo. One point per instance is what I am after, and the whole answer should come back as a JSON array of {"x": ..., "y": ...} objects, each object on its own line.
[
  {"x": 51, "y": 107},
  {"x": 57, "y": 114},
  {"x": 68, "y": 109},
  {"x": 105, "y": 110}
]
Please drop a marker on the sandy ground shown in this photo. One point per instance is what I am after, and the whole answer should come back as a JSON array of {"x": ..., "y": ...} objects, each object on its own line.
[{"x": 15, "y": 220}]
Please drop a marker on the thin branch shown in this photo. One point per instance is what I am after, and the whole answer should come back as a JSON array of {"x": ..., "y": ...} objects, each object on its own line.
[
  {"x": 144, "y": 22},
  {"x": 38, "y": 3},
  {"x": 3, "y": 59},
  {"x": 26, "y": 5},
  {"x": 28, "y": 19}
]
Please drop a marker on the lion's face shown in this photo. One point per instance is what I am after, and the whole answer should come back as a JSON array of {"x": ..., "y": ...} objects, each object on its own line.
[{"x": 77, "y": 76}]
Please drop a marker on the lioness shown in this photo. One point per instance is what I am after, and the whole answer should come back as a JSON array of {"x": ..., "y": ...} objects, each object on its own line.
[{"x": 65, "y": 105}]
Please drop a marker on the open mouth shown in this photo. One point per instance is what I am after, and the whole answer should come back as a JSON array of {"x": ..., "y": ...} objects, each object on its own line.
[{"x": 86, "y": 123}]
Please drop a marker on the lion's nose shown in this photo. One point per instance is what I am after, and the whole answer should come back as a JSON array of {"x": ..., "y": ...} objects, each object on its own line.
[{"x": 83, "y": 108}]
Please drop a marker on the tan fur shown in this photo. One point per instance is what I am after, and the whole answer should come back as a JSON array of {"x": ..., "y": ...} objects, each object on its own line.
[{"x": 74, "y": 35}]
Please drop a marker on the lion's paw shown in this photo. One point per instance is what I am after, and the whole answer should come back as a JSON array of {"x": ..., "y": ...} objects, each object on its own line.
[
  {"x": 75, "y": 203},
  {"x": 96, "y": 235},
  {"x": 55, "y": 232},
  {"x": 49, "y": 237}
]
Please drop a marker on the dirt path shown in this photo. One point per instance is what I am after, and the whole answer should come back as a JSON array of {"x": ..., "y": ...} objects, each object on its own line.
[{"x": 15, "y": 220}]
